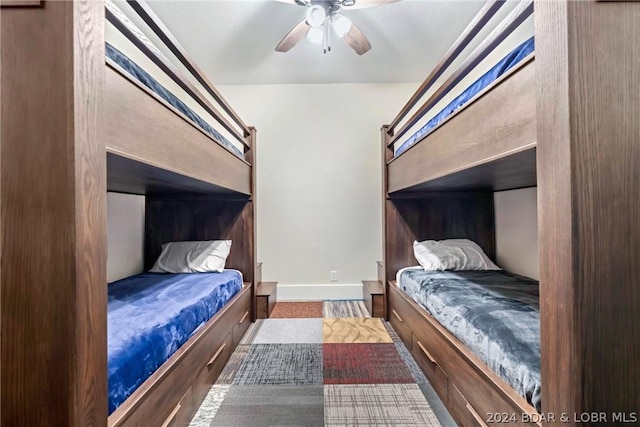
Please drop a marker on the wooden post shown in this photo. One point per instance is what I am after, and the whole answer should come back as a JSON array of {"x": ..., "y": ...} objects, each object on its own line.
[
  {"x": 257, "y": 275},
  {"x": 589, "y": 207},
  {"x": 53, "y": 222},
  {"x": 387, "y": 154}
]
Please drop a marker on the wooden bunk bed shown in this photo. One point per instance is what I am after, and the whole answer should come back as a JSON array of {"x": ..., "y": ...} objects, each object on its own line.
[
  {"x": 529, "y": 128},
  {"x": 81, "y": 124},
  {"x": 196, "y": 188}
]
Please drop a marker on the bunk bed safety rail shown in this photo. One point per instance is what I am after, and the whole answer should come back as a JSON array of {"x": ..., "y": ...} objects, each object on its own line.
[
  {"x": 512, "y": 21},
  {"x": 475, "y": 26},
  {"x": 238, "y": 129}
]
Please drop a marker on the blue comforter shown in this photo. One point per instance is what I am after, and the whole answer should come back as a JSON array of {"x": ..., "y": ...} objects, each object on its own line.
[
  {"x": 493, "y": 313},
  {"x": 143, "y": 77},
  {"x": 151, "y": 315},
  {"x": 513, "y": 58}
]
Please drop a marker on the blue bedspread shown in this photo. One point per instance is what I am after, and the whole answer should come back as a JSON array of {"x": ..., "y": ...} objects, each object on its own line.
[
  {"x": 513, "y": 58},
  {"x": 143, "y": 77},
  {"x": 151, "y": 315},
  {"x": 495, "y": 314}
]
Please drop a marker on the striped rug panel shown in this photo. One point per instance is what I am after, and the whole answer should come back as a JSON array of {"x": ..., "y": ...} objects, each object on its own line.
[{"x": 377, "y": 405}]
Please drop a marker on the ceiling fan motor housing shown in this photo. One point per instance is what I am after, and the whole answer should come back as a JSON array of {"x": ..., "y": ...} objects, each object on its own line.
[
  {"x": 316, "y": 15},
  {"x": 321, "y": 17}
]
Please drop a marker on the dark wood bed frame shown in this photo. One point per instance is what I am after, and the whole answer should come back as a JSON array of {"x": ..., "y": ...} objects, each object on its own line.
[
  {"x": 53, "y": 176},
  {"x": 560, "y": 123},
  {"x": 74, "y": 127}
]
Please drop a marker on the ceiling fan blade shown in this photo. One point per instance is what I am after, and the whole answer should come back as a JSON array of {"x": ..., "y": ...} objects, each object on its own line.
[
  {"x": 298, "y": 33},
  {"x": 357, "y": 40},
  {"x": 361, "y": 4},
  {"x": 298, "y": 2}
]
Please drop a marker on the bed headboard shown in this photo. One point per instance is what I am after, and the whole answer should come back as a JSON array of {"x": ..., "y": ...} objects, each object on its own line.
[
  {"x": 178, "y": 218},
  {"x": 435, "y": 216}
]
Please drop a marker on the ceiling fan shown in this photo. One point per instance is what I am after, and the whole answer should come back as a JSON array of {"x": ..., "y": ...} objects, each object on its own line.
[{"x": 321, "y": 17}]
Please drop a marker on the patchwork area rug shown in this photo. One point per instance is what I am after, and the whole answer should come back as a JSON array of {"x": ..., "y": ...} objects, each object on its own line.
[
  {"x": 296, "y": 310},
  {"x": 347, "y": 370}
]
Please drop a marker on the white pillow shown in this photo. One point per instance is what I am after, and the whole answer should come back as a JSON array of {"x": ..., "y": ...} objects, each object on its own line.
[
  {"x": 193, "y": 257},
  {"x": 452, "y": 254}
]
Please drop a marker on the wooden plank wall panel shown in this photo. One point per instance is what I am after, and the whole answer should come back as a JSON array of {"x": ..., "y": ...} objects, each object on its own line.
[
  {"x": 479, "y": 137},
  {"x": 589, "y": 157},
  {"x": 140, "y": 127},
  {"x": 436, "y": 216},
  {"x": 53, "y": 290},
  {"x": 201, "y": 218}
]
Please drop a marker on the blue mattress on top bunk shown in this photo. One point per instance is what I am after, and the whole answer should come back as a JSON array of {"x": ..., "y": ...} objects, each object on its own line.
[
  {"x": 150, "y": 315},
  {"x": 143, "y": 77},
  {"x": 495, "y": 314},
  {"x": 508, "y": 62}
]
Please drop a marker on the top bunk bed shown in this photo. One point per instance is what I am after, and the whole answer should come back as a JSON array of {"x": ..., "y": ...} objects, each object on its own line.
[
  {"x": 168, "y": 129},
  {"x": 474, "y": 129}
]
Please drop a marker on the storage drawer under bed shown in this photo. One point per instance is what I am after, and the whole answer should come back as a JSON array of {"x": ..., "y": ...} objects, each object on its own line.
[
  {"x": 211, "y": 370},
  {"x": 399, "y": 311},
  {"x": 437, "y": 377},
  {"x": 182, "y": 412},
  {"x": 243, "y": 318},
  {"x": 462, "y": 410}
]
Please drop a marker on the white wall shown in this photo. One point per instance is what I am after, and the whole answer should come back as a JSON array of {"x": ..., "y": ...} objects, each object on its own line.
[
  {"x": 517, "y": 231},
  {"x": 125, "y": 235},
  {"x": 319, "y": 177}
]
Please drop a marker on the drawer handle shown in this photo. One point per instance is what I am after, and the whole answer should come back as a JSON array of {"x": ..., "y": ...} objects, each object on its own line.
[
  {"x": 475, "y": 415},
  {"x": 426, "y": 353},
  {"x": 243, "y": 317},
  {"x": 172, "y": 415},
  {"x": 215, "y": 356},
  {"x": 397, "y": 316}
]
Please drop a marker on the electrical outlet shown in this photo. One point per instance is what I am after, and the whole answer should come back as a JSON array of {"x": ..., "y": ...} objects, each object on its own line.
[{"x": 333, "y": 275}]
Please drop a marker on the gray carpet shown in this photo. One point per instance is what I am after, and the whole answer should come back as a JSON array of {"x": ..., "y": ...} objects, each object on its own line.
[
  {"x": 281, "y": 364},
  {"x": 284, "y": 373},
  {"x": 272, "y": 406},
  {"x": 288, "y": 331},
  {"x": 210, "y": 406}
]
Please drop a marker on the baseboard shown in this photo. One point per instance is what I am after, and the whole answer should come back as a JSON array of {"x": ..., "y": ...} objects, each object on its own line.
[{"x": 330, "y": 291}]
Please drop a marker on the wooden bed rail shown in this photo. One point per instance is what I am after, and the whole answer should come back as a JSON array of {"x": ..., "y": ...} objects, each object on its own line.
[
  {"x": 520, "y": 13},
  {"x": 475, "y": 26},
  {"x": 243, "y": 134}
]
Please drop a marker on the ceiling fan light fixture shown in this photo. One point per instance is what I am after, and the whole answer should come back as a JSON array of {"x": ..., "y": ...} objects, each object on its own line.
[
  {"x": 316, "y": 15},
  {"x": 341, "y": 25},
  {"x": 315, "y": 35}
]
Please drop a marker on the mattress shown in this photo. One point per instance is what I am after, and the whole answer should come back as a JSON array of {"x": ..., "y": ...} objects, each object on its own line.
[
  {"x": 135, "y": 71},
  {"x": 150, "y": 315},
  {"x": 505, "y": 64},
  {"x": 495, "y": 314}
]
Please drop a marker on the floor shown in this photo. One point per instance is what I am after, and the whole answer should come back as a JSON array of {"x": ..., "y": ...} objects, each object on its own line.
[{"x": 344, "y": 368}]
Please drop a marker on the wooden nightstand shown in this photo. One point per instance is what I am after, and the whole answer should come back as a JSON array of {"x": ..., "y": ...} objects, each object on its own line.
[
  {"x": 267, "y": 293},
  {"x": 373, "y": 296}
]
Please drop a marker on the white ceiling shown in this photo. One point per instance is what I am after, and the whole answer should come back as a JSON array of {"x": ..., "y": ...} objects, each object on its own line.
[{"x": 234, "y": 41}]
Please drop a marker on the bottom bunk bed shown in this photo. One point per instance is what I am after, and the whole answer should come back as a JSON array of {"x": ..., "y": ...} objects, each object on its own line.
[
  {"x": 476, "y": 335},
  {"x": 169, "y": 336}
]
